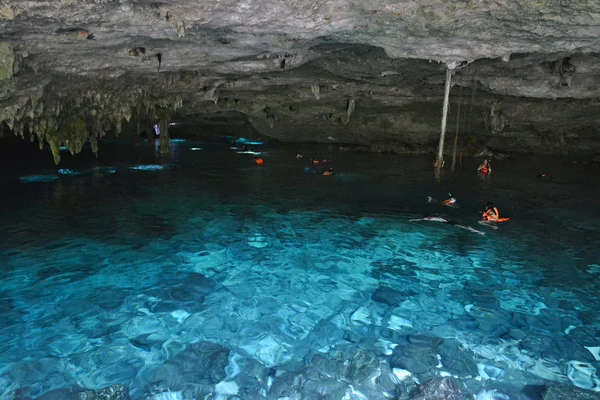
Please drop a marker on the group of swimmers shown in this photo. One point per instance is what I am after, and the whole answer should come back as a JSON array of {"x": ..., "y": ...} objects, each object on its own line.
[
  {"x": 491, "y": 215},
  {"x": 320, "y": 166}
]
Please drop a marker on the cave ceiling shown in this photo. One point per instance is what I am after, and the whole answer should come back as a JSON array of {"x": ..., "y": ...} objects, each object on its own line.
[{"x": 364, "y": 72}]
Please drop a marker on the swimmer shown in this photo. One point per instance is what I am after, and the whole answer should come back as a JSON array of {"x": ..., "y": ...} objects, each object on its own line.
[
  {"x": 450, "y": 202},
  {"x": 258, "y": 160},
  {"x": 436, "y": 163},
  {"x": 299, "y": 156},
  {"x": 431, "y": 200},
  {"x": 446, "y": 221},
  {"x": 548, "y": 178},
  {"x": 325, "y": 161},
  {"x": 315, "y": 161},
  {"x": 484, "y": 168},
  {"x": 491, "y": 214},
  {"x": 329, "y": 172}
]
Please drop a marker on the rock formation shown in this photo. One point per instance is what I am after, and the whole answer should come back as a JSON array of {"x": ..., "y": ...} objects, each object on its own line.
[{"x": 370, "y": 73}]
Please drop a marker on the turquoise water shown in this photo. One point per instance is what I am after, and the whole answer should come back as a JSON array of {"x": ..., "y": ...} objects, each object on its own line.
[{"x": 211, "y": 277}]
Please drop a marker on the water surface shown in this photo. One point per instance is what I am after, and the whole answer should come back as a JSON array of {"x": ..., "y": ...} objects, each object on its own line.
[{"x": 213, "y": 276}]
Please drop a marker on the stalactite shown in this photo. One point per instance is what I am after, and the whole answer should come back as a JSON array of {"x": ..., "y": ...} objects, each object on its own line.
[
  {"x": 94, "y": 145},
  {"x": 316, "y": 90},
  {"x": 127, "y": 112},
  {"x": 54, "y": 147},
  {"x": 351, "y": 107},
  {"x": 163, "y": 117},
  {"x": 72, "y": 119}
]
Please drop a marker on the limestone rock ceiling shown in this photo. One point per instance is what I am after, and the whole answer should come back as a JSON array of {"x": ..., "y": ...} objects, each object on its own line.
[{"x": 335, "y": 71}]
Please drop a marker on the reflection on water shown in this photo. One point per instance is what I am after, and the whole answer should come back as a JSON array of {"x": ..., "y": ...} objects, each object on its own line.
[{"x": 215, "y": 277}]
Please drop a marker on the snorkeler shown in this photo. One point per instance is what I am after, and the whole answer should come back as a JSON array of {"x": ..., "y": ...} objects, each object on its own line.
[
  {"x": 484, "y": 168},
  {"x": 450, "y": 202},
  {"x": 491, "y": 214}
]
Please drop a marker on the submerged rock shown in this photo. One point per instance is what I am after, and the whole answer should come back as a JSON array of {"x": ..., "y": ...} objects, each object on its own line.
[
  {"x": 456, "y": 359},
  {"x": 442, "y": 389},
  {"x": 416, "y": 355},
  {"x": 387, "y": 295},
  {"x": 564, "y": 392},
  {"x": 114, "y": 392},
  {"x": 202, "y": 362}
]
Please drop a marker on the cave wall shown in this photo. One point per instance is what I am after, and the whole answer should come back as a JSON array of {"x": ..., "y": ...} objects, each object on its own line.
[{"x": 350, "y": 94}]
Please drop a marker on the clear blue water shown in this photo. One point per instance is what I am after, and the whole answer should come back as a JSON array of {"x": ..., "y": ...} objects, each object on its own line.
[{"x": 211, "y": 276}]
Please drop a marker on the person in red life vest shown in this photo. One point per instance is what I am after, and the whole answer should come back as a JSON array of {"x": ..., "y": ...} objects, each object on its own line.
[
  {"x": 258, "y": 160},
  {"x": 329, "y": 172},
  {"x": 315, "y": 161},
  {"x": 491, "y": 214},
  {"x": 450, "y": 202},
  {"x": 485, "y": 168},
  {"x": 325, "y": 161}
]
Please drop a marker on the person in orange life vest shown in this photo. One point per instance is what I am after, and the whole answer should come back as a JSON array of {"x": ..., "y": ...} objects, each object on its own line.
[
  {"x": 491, "y": 213},
  {"x": 484, "y": 168},
  {"x": 258, "y": 160},
  {"x": 328, "y": 172},
  {"x": 436, "y": 163}
]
